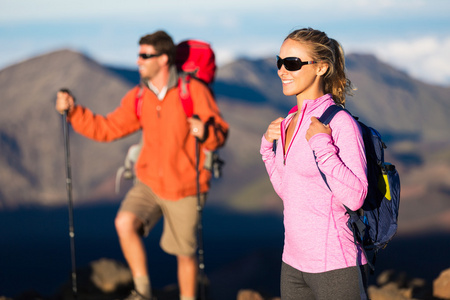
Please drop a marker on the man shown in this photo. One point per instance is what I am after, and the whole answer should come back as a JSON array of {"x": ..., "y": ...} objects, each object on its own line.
[{"x": 166, "y": 168}]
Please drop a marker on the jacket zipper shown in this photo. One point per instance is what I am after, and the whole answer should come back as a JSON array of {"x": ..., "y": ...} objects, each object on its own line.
[{"x": 299, "y": 122}]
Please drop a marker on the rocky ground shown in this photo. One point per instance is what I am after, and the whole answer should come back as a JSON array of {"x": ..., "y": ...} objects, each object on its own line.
[{"x": 106, "y": 279}]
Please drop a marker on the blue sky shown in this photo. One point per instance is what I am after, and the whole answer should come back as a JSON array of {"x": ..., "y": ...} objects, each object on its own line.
[{"x": 412, "y": 35}]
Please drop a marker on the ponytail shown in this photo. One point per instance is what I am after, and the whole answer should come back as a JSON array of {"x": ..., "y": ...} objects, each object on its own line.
[
  {"x": 335, "y": 80},
  {"x": 327, "y": 50}
]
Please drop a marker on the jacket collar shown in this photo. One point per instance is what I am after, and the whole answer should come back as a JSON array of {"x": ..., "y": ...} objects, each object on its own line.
[
  {"x": 173, "y": 78},
  {"x": 312, "y": 104}
]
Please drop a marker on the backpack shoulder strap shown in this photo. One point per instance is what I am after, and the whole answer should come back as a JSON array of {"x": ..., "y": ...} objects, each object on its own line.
[
  {"x": 185, "y": 94},
  {"x": 326, "y": 118},
  {"x": 138, "y": 98},
  {"x": 329, "y": 113}
]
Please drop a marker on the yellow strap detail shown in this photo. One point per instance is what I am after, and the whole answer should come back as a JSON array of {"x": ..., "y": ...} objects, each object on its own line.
[{"x": 383, "y": 186}]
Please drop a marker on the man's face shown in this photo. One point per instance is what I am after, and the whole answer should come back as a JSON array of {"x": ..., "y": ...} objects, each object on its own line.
[{"x": 149, "y": 67}]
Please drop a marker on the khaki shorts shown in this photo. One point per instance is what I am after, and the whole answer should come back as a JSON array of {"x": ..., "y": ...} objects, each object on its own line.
[{"x": 179, "y": 235}]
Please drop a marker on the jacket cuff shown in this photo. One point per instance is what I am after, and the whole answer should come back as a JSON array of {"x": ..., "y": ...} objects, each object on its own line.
[{"x": 265, "y": 143}]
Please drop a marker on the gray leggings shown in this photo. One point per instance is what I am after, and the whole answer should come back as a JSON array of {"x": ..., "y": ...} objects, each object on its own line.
[{"x": 341, "y": 284}]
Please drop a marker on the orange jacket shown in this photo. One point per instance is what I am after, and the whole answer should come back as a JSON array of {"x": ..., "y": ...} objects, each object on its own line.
[{"x": 167, "y": 161}]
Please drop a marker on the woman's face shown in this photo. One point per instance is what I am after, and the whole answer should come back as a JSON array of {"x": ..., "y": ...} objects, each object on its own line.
[{"x": 304, "y": 83}]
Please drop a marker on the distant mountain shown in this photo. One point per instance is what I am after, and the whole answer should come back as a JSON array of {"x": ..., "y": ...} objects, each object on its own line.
[
  {"x": 396, "y": 103},
  {"x": 385, "y": 97},
  {"x": 31, "y": 145},
  {"x": 410, "y": 114}
]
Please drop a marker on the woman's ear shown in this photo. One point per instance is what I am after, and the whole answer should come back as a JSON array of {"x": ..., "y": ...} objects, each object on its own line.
[{"x": 322, "y": 68}]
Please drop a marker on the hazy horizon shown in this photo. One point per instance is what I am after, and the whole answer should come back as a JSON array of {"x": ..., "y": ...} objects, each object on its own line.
[{"x": 412, "y": 35}]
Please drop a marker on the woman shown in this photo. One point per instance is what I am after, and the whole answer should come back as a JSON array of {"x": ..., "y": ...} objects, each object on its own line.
[{"x": 319, "y": 256}]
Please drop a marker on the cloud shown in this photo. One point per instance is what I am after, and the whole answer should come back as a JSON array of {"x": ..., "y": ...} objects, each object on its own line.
[
  {"x": 397, "y": 31},
  {"x": 382, "y": 5},
  {"x": 426, "y": 58},
  {"x": 260, "y": 48}
]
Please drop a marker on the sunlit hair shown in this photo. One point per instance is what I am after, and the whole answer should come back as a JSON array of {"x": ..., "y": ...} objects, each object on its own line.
[
  {"x": 162, "y": 42},
  {"x": 322, "y": 48}
]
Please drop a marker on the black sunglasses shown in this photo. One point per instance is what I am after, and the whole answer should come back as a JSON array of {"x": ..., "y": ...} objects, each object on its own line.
[
  {"x": 147, "y": 56},
  {"x": 292, "y": 63}
]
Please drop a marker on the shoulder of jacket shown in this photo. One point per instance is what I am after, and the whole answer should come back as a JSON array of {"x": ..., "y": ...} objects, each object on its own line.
[{"x": 344, "y": 116}]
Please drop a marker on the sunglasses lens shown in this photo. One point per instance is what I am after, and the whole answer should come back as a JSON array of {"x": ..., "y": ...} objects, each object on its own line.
[
  {"x": 290, "y": 63},
  {"x": 147, "y": 56}
]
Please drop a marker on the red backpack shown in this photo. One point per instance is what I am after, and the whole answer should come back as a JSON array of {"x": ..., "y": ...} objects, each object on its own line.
[
  {"x": 197, "y": 59},
  {"x": 193, "y": 59}
]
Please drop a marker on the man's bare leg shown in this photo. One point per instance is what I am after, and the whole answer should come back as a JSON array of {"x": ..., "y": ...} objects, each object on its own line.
[
  {"x": 187, "y": 276},
  {"x": 127, "y": 227}
]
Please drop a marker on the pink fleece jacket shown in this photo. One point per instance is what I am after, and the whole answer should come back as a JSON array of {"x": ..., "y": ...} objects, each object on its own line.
[{"x": 317, "y": 238}]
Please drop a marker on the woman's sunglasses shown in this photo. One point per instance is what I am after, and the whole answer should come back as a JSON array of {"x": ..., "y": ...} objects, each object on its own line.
[{"x": 292, "y": 63}]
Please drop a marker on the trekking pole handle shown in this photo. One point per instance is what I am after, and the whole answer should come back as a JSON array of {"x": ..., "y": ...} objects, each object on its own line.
[{"x": 67, "y": 91}]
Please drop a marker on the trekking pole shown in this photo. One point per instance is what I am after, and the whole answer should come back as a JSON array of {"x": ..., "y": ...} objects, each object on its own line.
[
  {"x": 201, "y": 264},
  {"x": 69, "y": 197}
]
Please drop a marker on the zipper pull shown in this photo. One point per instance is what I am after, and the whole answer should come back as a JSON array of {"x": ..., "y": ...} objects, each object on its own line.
[{"x": 158, "y": 109}]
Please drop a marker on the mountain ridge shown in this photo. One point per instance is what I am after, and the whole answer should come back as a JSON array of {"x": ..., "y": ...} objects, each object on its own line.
[{"x": 410, "y": 113}]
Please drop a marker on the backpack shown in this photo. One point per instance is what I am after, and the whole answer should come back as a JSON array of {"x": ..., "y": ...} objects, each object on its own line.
[
  {"x": 375, "y": 224},
  {"x": 194, "y": 59}
]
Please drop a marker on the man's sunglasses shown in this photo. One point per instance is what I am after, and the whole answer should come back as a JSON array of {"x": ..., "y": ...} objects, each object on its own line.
[
  {"x": 292, "y": 63},
  {"x": 147, "y": 56}
]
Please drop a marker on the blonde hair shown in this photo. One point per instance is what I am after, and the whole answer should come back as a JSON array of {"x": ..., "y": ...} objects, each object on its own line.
[{"x": 331, "y": 52}]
